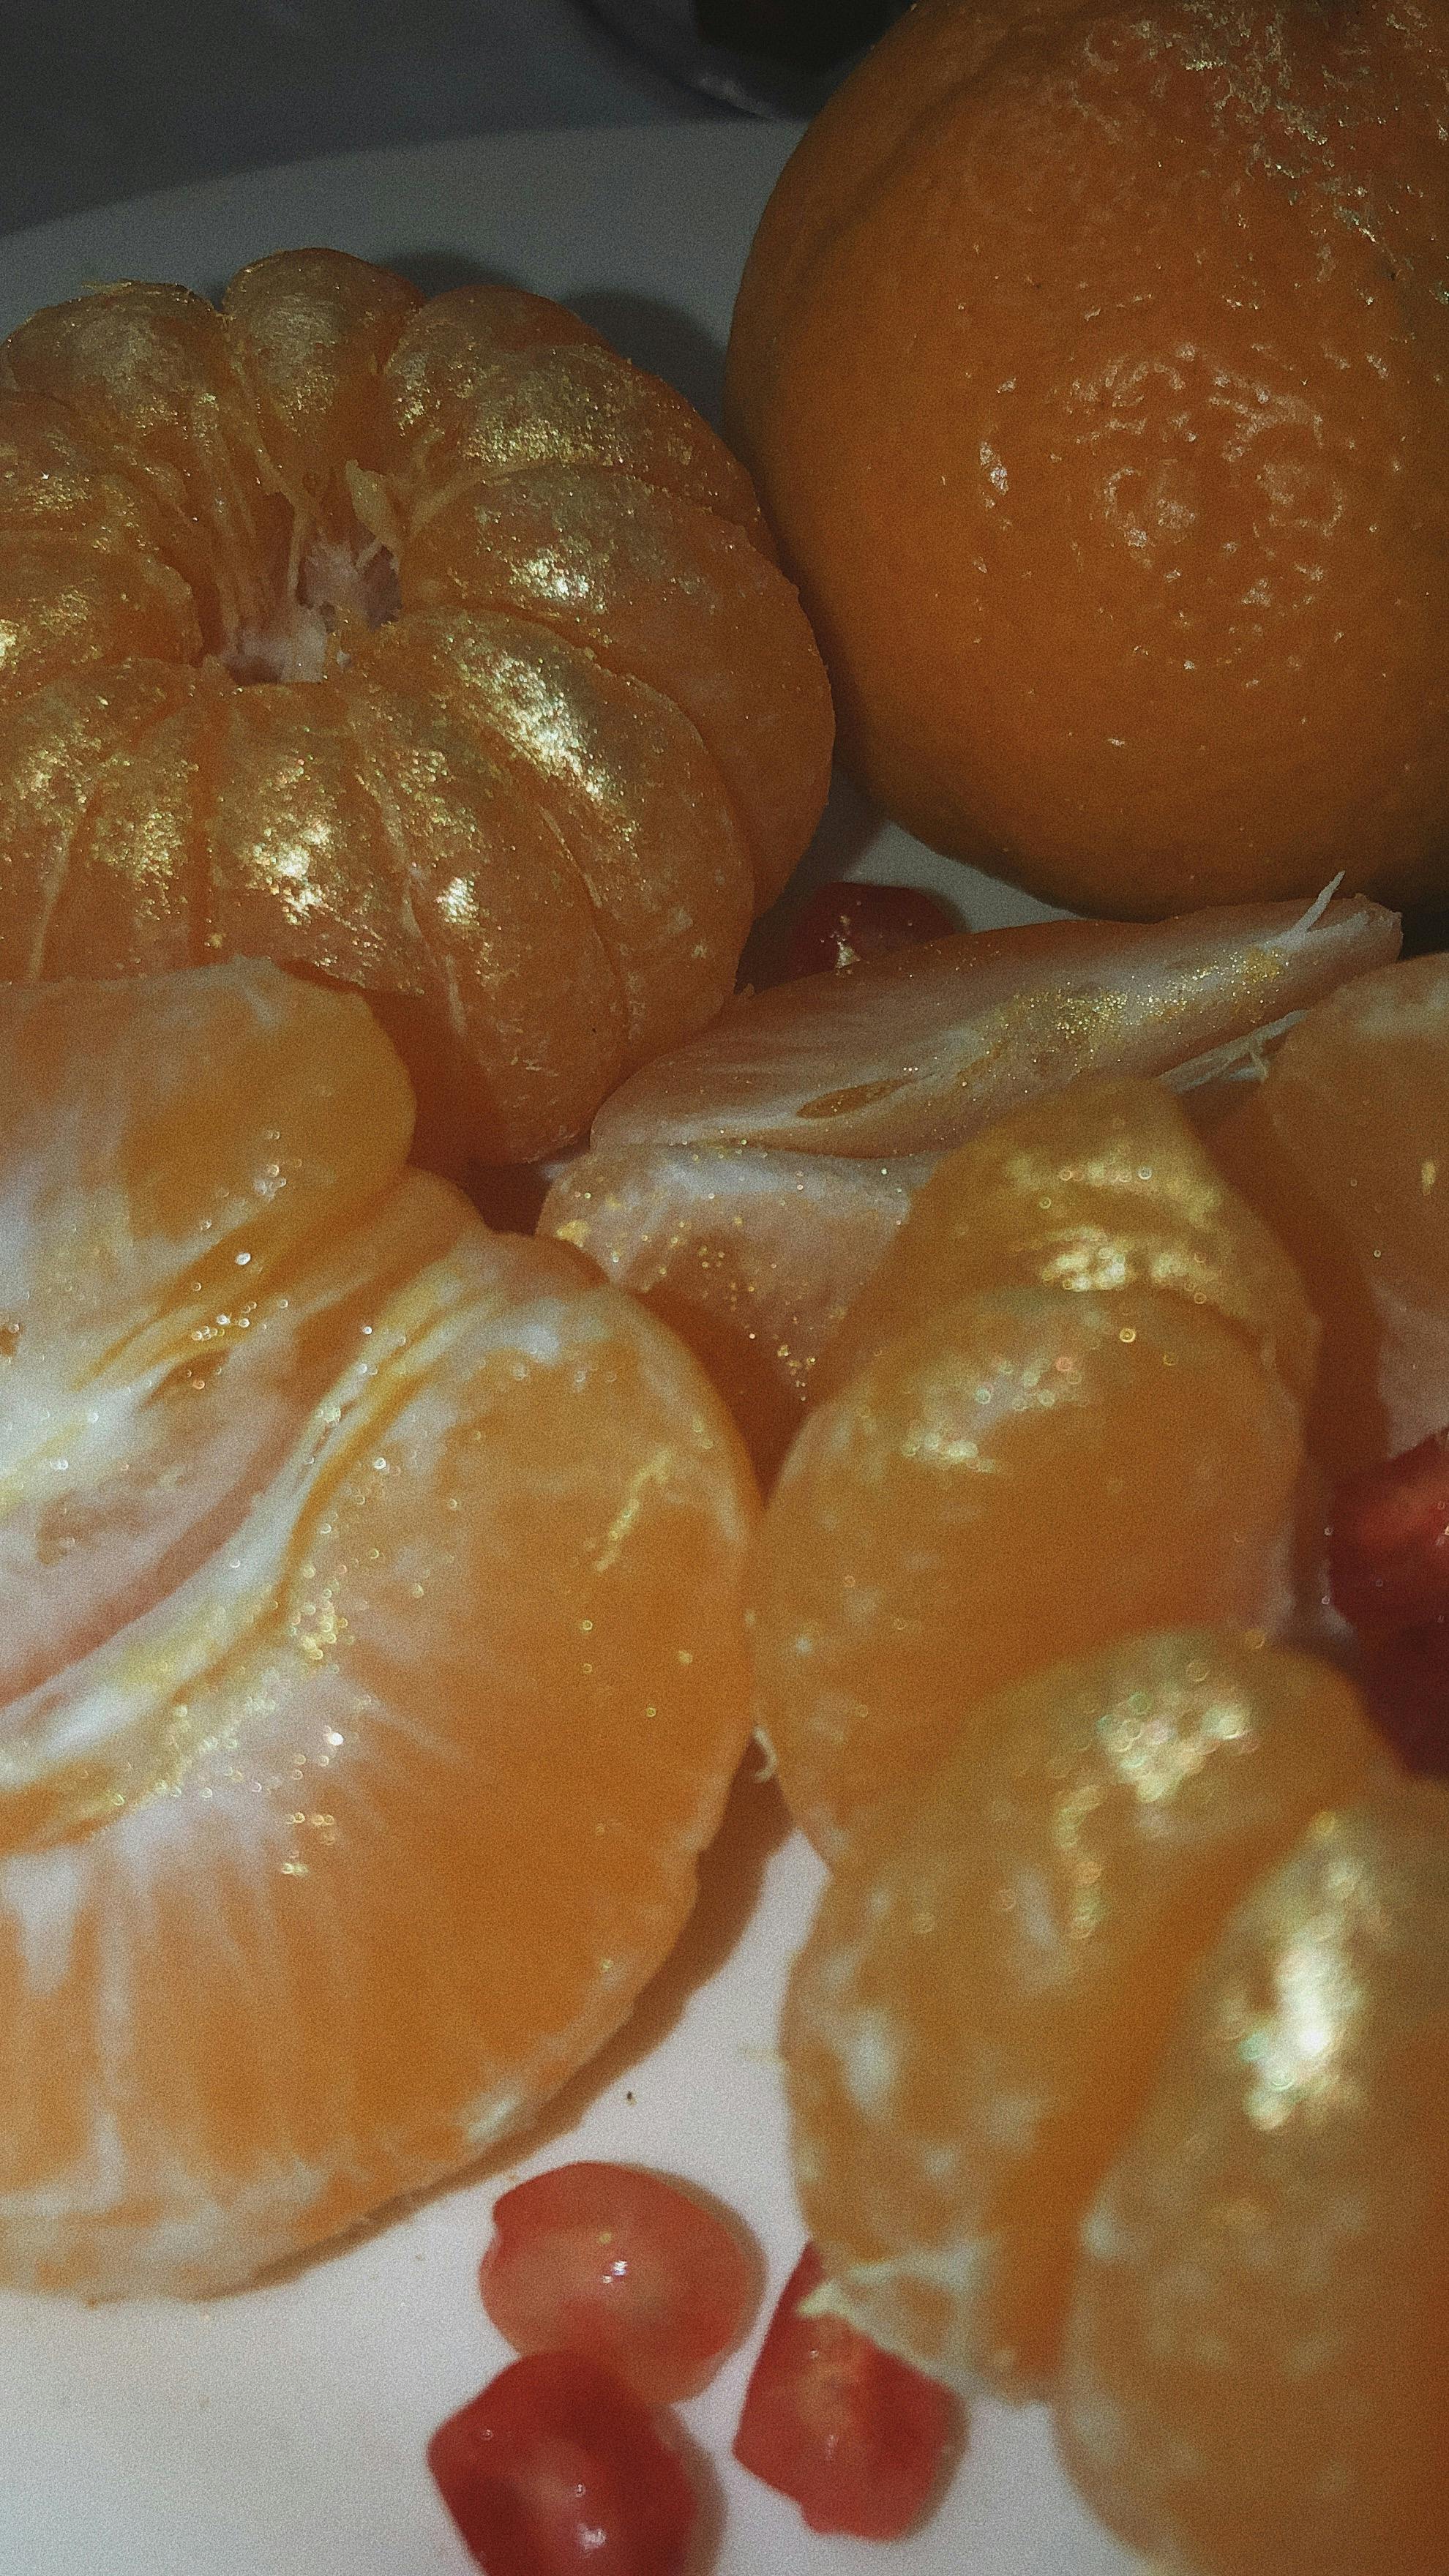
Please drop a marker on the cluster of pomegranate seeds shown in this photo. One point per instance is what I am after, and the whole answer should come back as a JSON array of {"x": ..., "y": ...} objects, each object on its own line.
[
  {"x": 1389, "y": 1575},
  {"x": 557, "y": 2467},
  {"x": 859, "y": 2439},
  {"x": 624, "y": 2291},
  {"x": 623, "y": 2266},
  {"x": 842, "y": 923}
]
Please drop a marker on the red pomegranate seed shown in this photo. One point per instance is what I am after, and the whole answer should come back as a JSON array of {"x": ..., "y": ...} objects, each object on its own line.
[
  {"x": 860, "y": 2440},
  {"x": 843, "y": 922},
  {"x": 1389, "y": 1543},
  {"x": 622, "y": 2265},
  {"x": 1405, "y": 1680},
  {"x": 556, "y": 2467}
]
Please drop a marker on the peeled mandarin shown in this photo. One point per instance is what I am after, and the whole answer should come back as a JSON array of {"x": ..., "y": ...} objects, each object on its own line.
[
  {"x": 1341, "y": 1149},
  {"x": 975, "y": 2017},
  {"x": 426, "y": 647},
  {"x": 1101, "y": 1186},
  {"x": 1256, "y": 2371},
  {"x": 1019, "y": 1480},
  {"x": 372, "y": 1617}
]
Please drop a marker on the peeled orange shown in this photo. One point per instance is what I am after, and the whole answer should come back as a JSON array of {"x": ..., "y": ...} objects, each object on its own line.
[
  {"x": 427, "y": 647},
  {"x": 373, "y": 1668}
]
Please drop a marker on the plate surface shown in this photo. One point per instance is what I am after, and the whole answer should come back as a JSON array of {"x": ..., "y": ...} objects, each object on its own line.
[{"x": 280, "y": 2432}]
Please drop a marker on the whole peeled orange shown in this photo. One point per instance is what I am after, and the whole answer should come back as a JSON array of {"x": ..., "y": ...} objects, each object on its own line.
[
  {"x": 1091, "y": 363},
  {"x": 426, "y": 647}
]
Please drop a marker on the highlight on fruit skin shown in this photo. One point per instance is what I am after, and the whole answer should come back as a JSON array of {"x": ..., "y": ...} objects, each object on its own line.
[
  {"x": 1091, "y": 366},
  {"x": 748, "y": 1183},
  {"x": 425, "y": 646},
  {"x": 1254, "y": 2371},
  {"x": 996, "y": 1962},
  {"x": 1074, "y": 1413},
  {"x": 331, "y": 1838}
]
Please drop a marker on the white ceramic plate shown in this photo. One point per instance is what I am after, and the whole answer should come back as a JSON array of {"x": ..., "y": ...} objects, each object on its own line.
[{"x": 281, "y": 2432}]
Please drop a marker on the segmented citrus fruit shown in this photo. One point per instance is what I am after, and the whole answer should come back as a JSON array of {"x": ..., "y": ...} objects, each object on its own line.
[
  {"x": 976, "y": 2016},
  {"x": 429, "y": 647},
  {"x": 747, "y": 1184},
  {"x": 1097, "y": 1439},
  {"x": 373, "y": 1668},
  {"x": 1341, "y": 1147},
  {"x": 1255, "y": 2365}
]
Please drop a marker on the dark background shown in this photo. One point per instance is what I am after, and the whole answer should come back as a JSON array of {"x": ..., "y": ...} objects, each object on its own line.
[{"x": 102, "y": 100}]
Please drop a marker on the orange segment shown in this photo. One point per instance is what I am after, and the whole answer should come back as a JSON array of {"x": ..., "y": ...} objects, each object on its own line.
[
  {"x": 66, "y": 600},
  {"x": 663, "y": 589},
  {"x": 624, "y": 781},
  {"x": 1101, "y": 1186},
  {"x": 913, "y": 1052},
  {"x": 1018, "y": 1481},
  {"x": 150, "y": 1383},
  {"x": 1341, "y": 1148},
  {"x": 309, "y": 333},
  {"x": 993, "y": 1969},
  {"x": 489, "y": 382},
  {"x": 752, "y": 1258},
  {"x": 337, "y": 1833},
  {"x": 148, "y": 370},
  {"x": 1254, "y": 2372}
]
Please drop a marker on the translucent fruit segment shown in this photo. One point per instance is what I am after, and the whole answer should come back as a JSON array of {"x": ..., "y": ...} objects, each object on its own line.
[
  {"x": 309, "y": 332},
  {"x": 1255, "y": 2372},
  {"x": 913, "y": 1052},
  {"x": 1018, "y": 1481},
  {"x": 623, "y": 2266},
  {"x": 1101, "y": 1186},
  {"x": 993, "y": 1970},
  {"x": 331, "y": 1839},
  {"x": 1341, "y": 1150},
  {"x": 753, "y": 1258},
  {"x": 858, "y": 2438},
  {"x": 555, "y": 2469},
  {"x": 183, "y": 1163}
]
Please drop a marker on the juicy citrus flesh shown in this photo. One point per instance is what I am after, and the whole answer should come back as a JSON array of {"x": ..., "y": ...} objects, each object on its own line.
[
  {"x": 1071, "y": 1412},
  {"x": 755, "y": 1251},
  {"x": 351, "y": 1814},
  {"x": 994, "y": 1967},
  {"x": 1255, "y": 2364},
  {"x": 1101, "y": 1186},
  {"x": 259, "y": 696},
  {"x": 1098, "y": 435},
  {"x": 1021, "y": 1479},
  {"x": 1340, "y": 1147}
]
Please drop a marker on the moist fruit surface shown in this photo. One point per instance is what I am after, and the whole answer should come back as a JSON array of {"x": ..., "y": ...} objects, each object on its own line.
[
  {"x": 331, "y": 1838},
  {"x": 428, "y": 647}
]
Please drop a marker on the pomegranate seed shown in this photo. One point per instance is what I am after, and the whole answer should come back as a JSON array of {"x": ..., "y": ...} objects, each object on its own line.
[
  {"x": 1405, "y": 1680},
  {"x": 556, "y": 2467},
  {"x": 624, "y": 2266},
  {"x": 844, "y": 922},
  {"x": 860, "y": 2440},
  {"x": 1389, "y": 1544}
]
